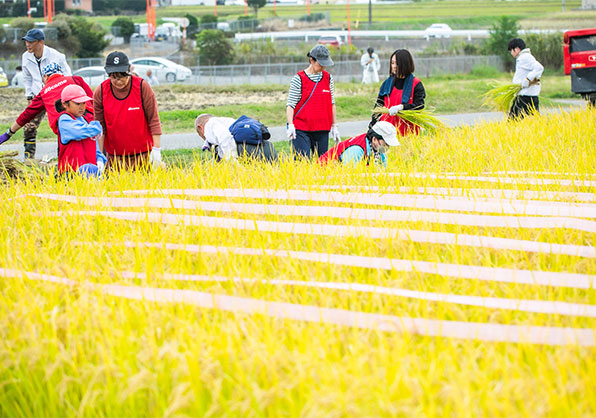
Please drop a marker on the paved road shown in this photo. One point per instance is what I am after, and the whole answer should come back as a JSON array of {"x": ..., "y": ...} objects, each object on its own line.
[{"x": 278, "y": 133}]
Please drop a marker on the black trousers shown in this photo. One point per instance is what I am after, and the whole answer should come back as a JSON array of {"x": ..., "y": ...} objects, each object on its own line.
[
  {"x": 523, "y": 106},
  {"x": 264, "y": 151},
  {"x": 309, "y": 143}
]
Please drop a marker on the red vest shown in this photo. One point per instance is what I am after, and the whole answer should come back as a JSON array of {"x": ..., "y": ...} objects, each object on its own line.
[
  {"x": 127, "y": 131},
  {"x": 403, "y": 127},
  {"x": 334, "y": 154},
  {"x": 316, "y": 113},
  {"x": 76, "y": 153},
  {"x": 52, "y": 92}
]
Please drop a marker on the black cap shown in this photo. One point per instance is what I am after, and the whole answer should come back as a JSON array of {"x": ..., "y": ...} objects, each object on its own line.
[{"x": 117, "y": 62}]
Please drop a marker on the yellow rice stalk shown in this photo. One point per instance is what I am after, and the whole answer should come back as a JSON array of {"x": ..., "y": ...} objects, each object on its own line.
[
  {"x": 501, "y": 96},
  {"x": 424, "y": 118}
]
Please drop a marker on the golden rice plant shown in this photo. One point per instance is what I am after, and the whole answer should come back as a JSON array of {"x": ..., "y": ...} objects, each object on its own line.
[
  {"x": 501, "y": 96},
  {"x": 78, "y": 350},
  {"x": 424, "y": 118}
]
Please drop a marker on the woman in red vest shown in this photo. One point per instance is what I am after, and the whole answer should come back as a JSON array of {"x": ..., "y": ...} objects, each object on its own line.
[
  {"x": 127, "y": 109},
  {"x": 310, "y": 109},
  {"x": 400, "y": 91}
]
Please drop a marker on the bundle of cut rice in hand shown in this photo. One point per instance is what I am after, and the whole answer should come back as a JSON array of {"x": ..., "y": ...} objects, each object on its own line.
[
  {"x": 501, "y": 96},
  {"x": 424, "y": 118}
]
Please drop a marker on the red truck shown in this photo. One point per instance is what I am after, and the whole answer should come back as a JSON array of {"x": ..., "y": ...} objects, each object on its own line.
[{"x": 579, "y": 59}]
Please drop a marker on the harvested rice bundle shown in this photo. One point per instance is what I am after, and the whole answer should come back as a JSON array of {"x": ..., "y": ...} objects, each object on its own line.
[
  {"x": 501, "y": 96},
  {"x": 12, "y": 169},
  {"x": 424, "y": 118}
]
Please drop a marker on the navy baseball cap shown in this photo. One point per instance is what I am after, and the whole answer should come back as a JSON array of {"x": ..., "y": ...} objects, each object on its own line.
[{"x": 34, "y": 35}]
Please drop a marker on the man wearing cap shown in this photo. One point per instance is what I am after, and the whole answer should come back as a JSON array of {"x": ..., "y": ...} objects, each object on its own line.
[
  {"x": 371, "y": 64},
  {"x": 310, "y": 109},
  {"x": 37, "y": 56},
  {"x": 54, "y": 82},
  {"x": 126, "y": 107},
  {"x": 373, "y": 144}
]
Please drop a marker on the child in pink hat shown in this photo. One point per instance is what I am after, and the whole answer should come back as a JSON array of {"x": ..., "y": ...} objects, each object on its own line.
[{"x": 77, "y": 134}]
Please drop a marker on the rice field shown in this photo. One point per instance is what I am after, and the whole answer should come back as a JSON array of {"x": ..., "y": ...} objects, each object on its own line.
[{"x": 457, "y": 282}]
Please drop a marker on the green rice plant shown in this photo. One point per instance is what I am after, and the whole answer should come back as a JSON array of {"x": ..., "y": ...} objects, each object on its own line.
[
  {"x": 424, "y": 118},
  {"x": 501, "y": 96}
]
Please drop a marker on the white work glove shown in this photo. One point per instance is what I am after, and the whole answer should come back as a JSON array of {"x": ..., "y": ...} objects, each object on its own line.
[
  {"x": 335, "y": 134},
  {"x": 155, "y": 157},
  {"x": 101, "y": 167},
  {"x": 525, "y": 83},
  {"x": 394, "y": 109},
  {"x": 290, "y": 131}
]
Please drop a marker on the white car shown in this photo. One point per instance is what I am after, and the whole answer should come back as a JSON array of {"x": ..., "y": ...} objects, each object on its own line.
[
  {"x": 437, "y": 30},
  {"x": 163, "y": 69},
  {"x": 93, "y": 76}
]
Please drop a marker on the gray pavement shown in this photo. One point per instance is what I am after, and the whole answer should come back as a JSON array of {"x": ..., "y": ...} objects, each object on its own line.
[{"x": 278, "y": 133}]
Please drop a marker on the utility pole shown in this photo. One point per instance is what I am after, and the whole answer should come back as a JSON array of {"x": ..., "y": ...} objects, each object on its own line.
[{"x": 370, "y": 13}]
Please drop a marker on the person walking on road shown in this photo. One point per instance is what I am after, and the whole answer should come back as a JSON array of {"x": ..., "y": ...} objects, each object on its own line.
[
  {"x": 37, "y": 56},
  {"x": 310, "y": 109},
  {"x": 17, "y": 80},
  {"x": 527, "y": 74},
  {"x": 126, "y": 107},
  {"x": 372, "y": 145},
  {"x": 152, "y": 79},
  {"x": 400, "y": 91},
  {"x": 371, "y": 64},
  {"x": 54, "y": 82}
]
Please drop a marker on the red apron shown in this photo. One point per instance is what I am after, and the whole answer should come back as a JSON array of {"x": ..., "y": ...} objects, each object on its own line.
[
  {"x": 75, "y": 153},
  {"x": 334, "y": 154},
  {"x": 316, "y": 113},
  {"x": 403, "y": 127},
  {"x": 127, "y": 131}
]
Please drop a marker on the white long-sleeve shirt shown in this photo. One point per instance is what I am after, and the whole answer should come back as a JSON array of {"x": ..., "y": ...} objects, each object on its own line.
[
  {"x": 526, "y": 66},
  {"x": 217, "y": 133},
  {"x": 32, "y": 68}
]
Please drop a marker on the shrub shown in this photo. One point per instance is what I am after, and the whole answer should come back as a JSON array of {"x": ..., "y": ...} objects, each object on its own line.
[
  {"x": 193, "y": 25},
  {"x": 313, "y": 17},
  {"x": 205, "y": 19},
  {"x": 547, "y": 48},
  {"x": 22, "y": 23},
  {"x": 256, "y": 5},
  {"x": 126, "y": 27},
  {"x": 214, "y": 47},
  {"x": 500, "y": 35}
]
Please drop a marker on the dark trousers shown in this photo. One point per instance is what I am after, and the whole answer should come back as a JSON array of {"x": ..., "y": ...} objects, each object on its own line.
[
  {"x": 264, "y": 151},
  {"x": 30, "y": 134},
  {"x": 523, "y": 106},
  {"x": 309, "y": 143}
]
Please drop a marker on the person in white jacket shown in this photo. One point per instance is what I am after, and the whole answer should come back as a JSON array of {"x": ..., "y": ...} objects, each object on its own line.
[
  {"x": 37, "y": 56},
  {"x": 527, "y": 74},
  {"x": 371, "y": 64},
  {"x": 215, "y": 132}
]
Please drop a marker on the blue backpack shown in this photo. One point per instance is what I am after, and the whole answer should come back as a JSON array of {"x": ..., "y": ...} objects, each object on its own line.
[{"x": 249, "y": 131}]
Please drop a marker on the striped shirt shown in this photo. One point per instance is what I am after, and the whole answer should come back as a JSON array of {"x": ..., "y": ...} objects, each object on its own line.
[{"x": 296, "y": 88}]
